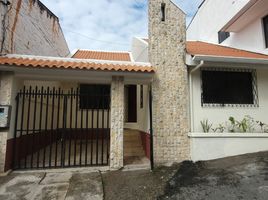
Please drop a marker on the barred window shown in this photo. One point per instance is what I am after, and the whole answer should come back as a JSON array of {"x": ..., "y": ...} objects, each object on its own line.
[
  {"x": 229, "y": 87},
  {"x": 94, "y": 96}
]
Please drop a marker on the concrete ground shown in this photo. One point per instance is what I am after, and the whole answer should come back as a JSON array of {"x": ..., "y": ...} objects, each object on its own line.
[
  {"x": 52, "y": 185},
  {"x": 235, "y": 178}
]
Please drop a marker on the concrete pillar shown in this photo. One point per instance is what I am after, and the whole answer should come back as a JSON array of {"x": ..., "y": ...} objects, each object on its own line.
[
  {"x": 117, "y": 123},
  {"x": 6, "y": 85}
]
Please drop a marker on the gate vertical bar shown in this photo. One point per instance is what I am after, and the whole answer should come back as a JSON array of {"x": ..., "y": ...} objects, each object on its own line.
[
  {"x": 34, "y": 120},
  {"x": 76, "y": 116},
  {"x": 40, "y": 125},
  {"x": 46, "y": 125},
  {"x": 14, "y": 163},
  {"x": 28, "y": 123},
  {"x": 52, "y": 125},
  {"x": 81, "y": 137},
  {"x": 86, "y": 137},
  {"x": 57, "y": 131},
  {"x": 108, "y": 134},
  {"x": 71, "y": 125},
  {"x": 21, "y": 126},
  {"x": 97, "y": 134},
  {"x": 102, "y": 125},
  {"x": 92, "y": 136},
  {"x": 64, "y": 122}
]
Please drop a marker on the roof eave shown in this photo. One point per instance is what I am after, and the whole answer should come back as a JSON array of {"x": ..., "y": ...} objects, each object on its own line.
[{"x": 225, "y": 59}]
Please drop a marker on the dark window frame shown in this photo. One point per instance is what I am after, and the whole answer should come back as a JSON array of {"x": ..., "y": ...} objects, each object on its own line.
[
  {"x": 222, "y": 36},
  {"x": 94, "y": 96},
  {"x": 254, "y": 88},
  {"x": 265, "y": 30}
]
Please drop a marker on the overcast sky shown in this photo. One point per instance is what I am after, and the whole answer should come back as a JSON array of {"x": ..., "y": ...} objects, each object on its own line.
[{"x": 106, "y": 24}]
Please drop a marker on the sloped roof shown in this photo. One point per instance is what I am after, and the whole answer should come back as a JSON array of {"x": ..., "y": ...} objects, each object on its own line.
[
  {"x": 71, "y": 63},
  {"x": 102, "y": 55},
  {"x": 208, "y": 49}
]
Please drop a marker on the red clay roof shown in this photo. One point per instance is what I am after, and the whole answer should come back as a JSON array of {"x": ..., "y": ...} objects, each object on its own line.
[
  {"x": 208, "y": 49},
  {"x": 102, "y": 55},
  {"x": 70, "y": 63}
]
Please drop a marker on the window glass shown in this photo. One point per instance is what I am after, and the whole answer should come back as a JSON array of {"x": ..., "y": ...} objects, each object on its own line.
[
  {"x": 227, "y": 87},
  {"x": 94, "y": 96}
]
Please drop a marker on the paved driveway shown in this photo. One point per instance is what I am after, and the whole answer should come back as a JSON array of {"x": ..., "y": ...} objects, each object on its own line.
[
  {"x": 57, "y": 185},
  {"x": 237, "y": 178}
]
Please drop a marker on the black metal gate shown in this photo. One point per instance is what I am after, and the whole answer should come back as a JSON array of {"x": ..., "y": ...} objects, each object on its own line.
[{"x": 56, "y": 129}]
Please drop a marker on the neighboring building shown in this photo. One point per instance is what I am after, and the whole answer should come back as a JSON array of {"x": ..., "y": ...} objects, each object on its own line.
[
  {"x": 29, "y": 27},
  {"x": 241, "y": 24},
  {"x": 97, "y": 108}
]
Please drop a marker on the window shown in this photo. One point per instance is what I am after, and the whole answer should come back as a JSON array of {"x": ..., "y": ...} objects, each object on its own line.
[
  {"x": 229, "y": 87},
  {"x": 163, "y": 12},
  {"x": 223, "y": 36},
  {"x": 94, "y": 96},
  {"x": 265, "y": 28}
]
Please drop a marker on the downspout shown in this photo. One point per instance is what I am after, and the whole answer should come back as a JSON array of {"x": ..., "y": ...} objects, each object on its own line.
[
  {"x": 191, "y": 93},
  {"x": 151, "y": 128}
]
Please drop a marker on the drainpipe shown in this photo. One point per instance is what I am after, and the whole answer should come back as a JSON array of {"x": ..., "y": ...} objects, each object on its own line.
[
  {"x": 191, "y": 93},
  {"x": 151, "y": 128}
]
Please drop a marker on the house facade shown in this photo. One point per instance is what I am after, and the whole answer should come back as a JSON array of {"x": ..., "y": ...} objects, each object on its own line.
[{"x": 112, "y": 109}]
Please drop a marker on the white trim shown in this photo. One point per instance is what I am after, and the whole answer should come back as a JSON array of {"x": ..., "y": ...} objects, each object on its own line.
[
  {"x": 142, "y": 40},
  {"x": 142, "y": 64},
  {"x": 104, "y": 51},
  {"x": 73, "y": 52},
  {"x": 131, "y": 57},
  {"x": 228, "y": 135},
  {"x": 230, "y": 59}
]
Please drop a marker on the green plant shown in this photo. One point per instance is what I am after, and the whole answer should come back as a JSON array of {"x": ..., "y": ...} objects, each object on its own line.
[
  {"x": 220, "y": 128},
  {"x": 206, "y": 126},
  {"x": 245, "y": 125},
  {"x": 232, "y": 120},
  {"x": 262, "y": 125}
]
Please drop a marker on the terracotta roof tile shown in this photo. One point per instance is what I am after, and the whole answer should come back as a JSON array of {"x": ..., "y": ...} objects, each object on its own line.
[
  {"x": 71, "y": 63},
  {"x": 203, "y": 48},
  {"x": 102, "y": 55}
]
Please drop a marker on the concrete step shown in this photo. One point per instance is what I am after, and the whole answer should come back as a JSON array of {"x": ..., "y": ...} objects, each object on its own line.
[
  {"x": 132, "y": 138},
  {"x": 133, "y": 152}
]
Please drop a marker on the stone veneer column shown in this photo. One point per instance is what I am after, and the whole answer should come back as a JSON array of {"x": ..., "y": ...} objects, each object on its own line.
[
  {"x": 117, "y": 123},
  {"x": 6, "y": 81},
  {"x": 170, "y": 85}
]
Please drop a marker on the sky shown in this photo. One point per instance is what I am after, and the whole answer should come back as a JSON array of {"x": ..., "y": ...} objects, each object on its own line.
[{"x": 107, "y": 24}]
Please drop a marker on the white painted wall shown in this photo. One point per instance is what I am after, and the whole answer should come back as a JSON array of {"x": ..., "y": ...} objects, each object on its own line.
[
  {"x": 209, "y": 146},
  {"x": 212, "y": 17},
  {"x": 139, "y": 49},
  {"x": 250, "y": 38},
  {"x": 218, "y": 115}
]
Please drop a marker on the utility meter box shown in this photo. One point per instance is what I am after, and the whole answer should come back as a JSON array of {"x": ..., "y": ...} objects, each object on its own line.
[{"x": 5, "y": 112}]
